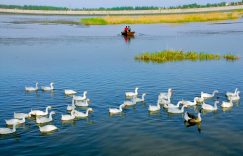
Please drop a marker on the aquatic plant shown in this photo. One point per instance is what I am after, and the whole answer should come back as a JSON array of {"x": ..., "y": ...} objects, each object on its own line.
[
  {"x": 93, "y": 21},
  {"x": 230, "y": 57},
  {"x": 170, "y": 18},
  {"x": 177, "y": 55}
]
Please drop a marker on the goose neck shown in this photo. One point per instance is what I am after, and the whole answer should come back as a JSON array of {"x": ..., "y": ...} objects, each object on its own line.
[
  {"x": 236, "y": 89},
  {"x": 47, "y": 110},
  {"x": 136, "y": 90},
  {"x": 120, "y": 108},
  {"x": 84, "y": 94},
  {"x": 14, "y": 128},
  {"x": 87, "y": 112},
  {"x": 50, "y": 116},
  {"x": 182, "y": 108},
  {"x": 143, "y": 96},
  {"x": 214, "y": 92},
  {"x": 72, "y": 113},
  {"x": 199, "y": 117},
  {"x": 169, "y": 101},
  {"x": 178, "y": 103},
  {"x": 73, "y": 103}
]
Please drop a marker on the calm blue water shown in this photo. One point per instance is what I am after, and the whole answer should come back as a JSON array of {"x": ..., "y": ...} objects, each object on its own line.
[{"x": 99, "y": 60}]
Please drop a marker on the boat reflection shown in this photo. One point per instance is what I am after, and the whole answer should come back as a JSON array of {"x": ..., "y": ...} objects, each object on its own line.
[{"x": 128, "y": 39}]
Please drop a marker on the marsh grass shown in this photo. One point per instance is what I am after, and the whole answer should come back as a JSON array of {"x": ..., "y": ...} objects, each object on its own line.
[
  {"x": 170, "y": 18},
  {"x": 93, "y": 21},
  {"x": 176, "y": 55},
  {"x": 230, "y": 57}
]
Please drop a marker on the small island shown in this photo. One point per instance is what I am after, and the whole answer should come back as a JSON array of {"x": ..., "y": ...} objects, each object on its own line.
[{"x": 177, "y": 55}]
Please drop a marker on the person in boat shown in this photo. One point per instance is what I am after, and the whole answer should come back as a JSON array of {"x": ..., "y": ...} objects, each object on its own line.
[
  {"x": 129, "y": 29},
  {"x": 125, "y": 29}
]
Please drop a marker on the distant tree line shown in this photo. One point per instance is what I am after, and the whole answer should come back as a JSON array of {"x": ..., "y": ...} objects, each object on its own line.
[
  {"x": 125, "y": 8},
  {"x": 194, "y": 5},
  {"x": 32, "y": 7}
]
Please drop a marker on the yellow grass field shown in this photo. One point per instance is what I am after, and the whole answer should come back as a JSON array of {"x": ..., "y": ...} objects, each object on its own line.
[{"x": 170, "y": 18}]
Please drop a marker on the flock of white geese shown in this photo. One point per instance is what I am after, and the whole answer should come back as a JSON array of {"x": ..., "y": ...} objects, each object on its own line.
[{"x": 164, "y": 100}]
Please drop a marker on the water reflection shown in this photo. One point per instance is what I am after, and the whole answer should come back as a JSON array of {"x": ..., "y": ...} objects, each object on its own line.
[
  {"x": 128, "y": 39},
  {"x": 48, "y": 133},
  {"x": 15, "y": 135},
  {"x": 227, "y": 109},
  {"x": 49, "y": 92},
  {"x": 69, "y": 122},
  {"x": 204, "y": 112},
  {"x": 187, "y": 124},
  {"x": 155, "y": 113},
  {"x": 122, "y": 114}
]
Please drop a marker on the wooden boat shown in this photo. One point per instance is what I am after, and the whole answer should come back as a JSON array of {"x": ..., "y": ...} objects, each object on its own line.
[{"x": 128, "y": 33}]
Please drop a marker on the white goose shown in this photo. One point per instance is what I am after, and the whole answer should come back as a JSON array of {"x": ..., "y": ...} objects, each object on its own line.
[
  {"x": 42, "y": 120},
  {"x": 80, "y": 98},
  {"x": 154, "y": 108},
  {"x": 116, "y": 110},
  {"x": 177, "y": 110},
  {"x": 228, "y": 94},
  {"x": 236, "y": 97},
  {"x": 21, "y": 115},
  {"x": 207, "y": 95},
  {"x": 227, "y": 104},
  {"x": 48, "y": 88},
  {"x": 4, "y": 131},
  {"x": 200, "y": 99},
  {"x": 71, "y": 107},
  {"x": 68, "y": 117},
  {"x": 82, "y": 114},
  {"x": 170, "y": 105},
  {"x": 39, "y": 112},
  {"x": 166, "y": 95},
  {"x": 130, "y": 103},
  {"x": 210, "y": 107},
  {"x": 164, "y": 101},
  {"x": 15, "y": 121},
  {"x": 131, "y": 94},
  {"x": 47, "y": 128},
  {"x": 32, "y": 89},
  {"x": 69, "y": 92},
  {"x": 141, "y": 99},
  {"x": 82, "y": 103},
  {"x": 190, "y": 103}
]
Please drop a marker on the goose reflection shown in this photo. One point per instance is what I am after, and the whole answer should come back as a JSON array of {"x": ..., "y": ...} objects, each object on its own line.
[
  {"x": 154, "y": 113},
  {"x": 227, "y": 109},
  {"x": 122, "y": 114},
  {"x": 187, "y": 124}
]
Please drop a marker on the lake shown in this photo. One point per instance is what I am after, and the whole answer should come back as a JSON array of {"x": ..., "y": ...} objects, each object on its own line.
[{"x": 99, "y": 60}]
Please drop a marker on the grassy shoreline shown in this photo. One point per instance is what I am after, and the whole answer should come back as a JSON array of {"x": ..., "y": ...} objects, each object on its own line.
[
  {"x": 177, "y": 55},
  {"x": 172, "y": 18}
]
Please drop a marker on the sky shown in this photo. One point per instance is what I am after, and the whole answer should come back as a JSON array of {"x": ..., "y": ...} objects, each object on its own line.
[{"x": 109, "y": 3}]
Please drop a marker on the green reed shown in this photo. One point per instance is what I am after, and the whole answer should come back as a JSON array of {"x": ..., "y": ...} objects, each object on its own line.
[{"x": 177, "y": 55}]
